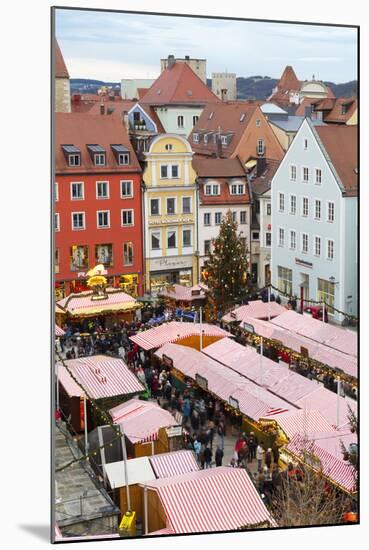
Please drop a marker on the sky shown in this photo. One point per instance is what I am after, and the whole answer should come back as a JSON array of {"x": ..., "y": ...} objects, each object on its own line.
[{"x": 111, "y": 46}]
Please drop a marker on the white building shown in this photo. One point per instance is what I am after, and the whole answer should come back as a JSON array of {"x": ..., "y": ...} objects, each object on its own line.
[
  {"x": 314, "y": 217},
  {"x": 224, "y": 86}
]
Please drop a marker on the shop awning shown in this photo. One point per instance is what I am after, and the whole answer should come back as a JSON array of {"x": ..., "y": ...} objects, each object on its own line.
[
  {"x": 256, "y": 309},
  {"x": 301, "y": 421},
  {"x": 216, "y": 499},
  {"x": 175, "y": 463}
]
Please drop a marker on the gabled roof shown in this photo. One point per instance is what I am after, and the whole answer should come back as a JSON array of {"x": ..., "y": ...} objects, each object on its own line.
[
  {"x": 340, "y": 144},
  {"x": 215, "y": 167},
  {"x": 154, "y": 117},
  {"x": 179, "y": 85},
  {"x": 289, "y": 80},
  {"x": 335, "y": 114},
  {"x": 60, "y": 67},
  {"x": 262, "y": 183}
]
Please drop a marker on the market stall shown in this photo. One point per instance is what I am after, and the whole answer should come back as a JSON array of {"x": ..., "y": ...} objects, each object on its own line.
[
  {"x": 173, "y": 464},
  {"x": 183, "y": 297},
  {"x": 256, "y": 309}
]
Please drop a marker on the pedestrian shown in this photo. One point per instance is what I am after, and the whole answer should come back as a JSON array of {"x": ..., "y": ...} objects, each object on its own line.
[
  {"x": 252, "y": 443},
  {"x": 197, "y": 448},
  {"x": 195, "y": 420},
  {"x": 268, "y": 458},
  {"x": 275, "y": 453},
  {"x": 259, "y": 456},
  {"x": 186, "y": 411},
  {"x": 238, "y": 446},
  {"x": 210, "y": 433},
  {"x": 208, "y": 455},
  {"x": 276, "y": 478},
  {"x": 220, "y": 435},
  {"x": 168, "y": 390},
  {"x": 218, "y": 456},
  {"x": 243, "y": 454},
  {"x": 202, "y": 457}
]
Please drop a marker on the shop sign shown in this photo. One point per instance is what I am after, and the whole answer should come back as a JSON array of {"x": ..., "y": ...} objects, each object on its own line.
[
  {"x": 201, "y": 382},
  {"x": 167, "y": 361},
  {"x": 171, "y": 221},
  {"x": 174, "y": 431},
  {"x": 170, "y": 263},
  {"x": 234, "y": 403},
  {"x": 249, "y": 328},
  {"x": 303, "y": 262},
  {"x": 304, "y": 351}
]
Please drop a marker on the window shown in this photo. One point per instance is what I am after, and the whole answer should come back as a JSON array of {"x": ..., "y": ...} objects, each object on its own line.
[
  {"x": 242, "y": 117},
  {"x": 305, "y": 144},
  {"x": 195, "y": 120},
  {"x": 318, "y": 176},
  {"x": 330, "y": 250},
  {"x": 103, "y": 218},
  {"x": 123, "y": 158},
  {"x": 171, "y": 238},
  {"x": 258, "y": 123},
  {"x": 57, "y": 260},
  {"x": 99, "y": 159},
  {"x": 237, "y": 189},
  {"x": 284, "y": 280},
  {"x": 155, "y": 240},
  {"x": 224, "y": 140},
  {"x": 78, "y": 220},
  {"x": 104, "y": 254},
  {"x": 102, "y": 190},
  {"x": 195, "y": 138},
  {"x": 207, "y": 218},
  {"x": 281, "y": 202},
  {"x": 280, "y": 236},
  {"x": 318, "y": 209},
  {"x": 171, "y": 206},
  {"x": 305, "y": 243},
  {"x": 257, "y": 207},
  {"x": 305, "y": 206},
  {"x": 218, "y": 218},
  {"x": 305, "y": 174},
  {"x": 175, "y": 171},
  {"x": 56, "y": 191},
  {"x": 330, "y": 211},
  {"x": 343, "y": 109},
  {"x": 126, "y": 189},
  {"x": 243, "y": 217},
  {"x": 57, "y": 222},
  {"x": 163, "y": 171},
  {"x": 293, "y": 173},
  {"x": 292, "y": 239},
  {"x": 317, "y": 246},
  {"x": 255, "y": 235},
  {"x": 169, "y": 147},
  {"x": 77, "y": 191},
  {"x": 260, "y": 147},
  {"x": 74, "y": 160},
  {"x": 186, "y": 237},
  {"x": 128, "y": 253},
  {"x": 268, "y": 239},
  {"x": 234, "y": 216},
  {"x": 180, "y": 121},
  {"x": 154, "y": 207},
  {"x": 186, "y": 205},
  {"x": 127, "y": 217},
  {"x": 168, "y": 172},
  {"x": 269, "y": 209},
  {"x": 293, "y": 204},
  {"x": 211, "y": 189},
  {"x": 326, "y": 293},
  {"x": 205, "y": 139},
  {"x": 207, "y": 245},
  {"x": 79, "y": 257}
]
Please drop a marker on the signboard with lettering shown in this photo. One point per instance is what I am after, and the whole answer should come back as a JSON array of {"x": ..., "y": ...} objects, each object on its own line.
[
  {"x": 201, "y": 382},
  {"x": 303, "y": 262},
  {"x": 177, "y": 262},
  {"x": 171, "y": 220},
  {"x": 249, "y": 328},
  {"x": 174, "y": 431},
  {"x": 304, "y": 351},
  {"x": 234, "y": 402}
]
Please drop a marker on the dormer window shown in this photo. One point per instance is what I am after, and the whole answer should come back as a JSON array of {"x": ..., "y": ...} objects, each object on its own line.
[
  {"x": 98, "y": 154},
  {"x": 242, "y": 117},
  {"x": 344, "y": 109},
  {"x": 123, "y": 159},
  {"x": 121, "y": 154},
  {"x": 205, "y": 139},
  {"x": 72, "y": 155},
  {"x": 196, "y": 138},
  {"x": 212, "y": 189},
  {"x": 99, "y": 159},
  {"x": 210, "y": 115},
  {"x": 74, "y": 160},
  {"x": 237, "y": 189},
  {"x": 224, "y": 140}
]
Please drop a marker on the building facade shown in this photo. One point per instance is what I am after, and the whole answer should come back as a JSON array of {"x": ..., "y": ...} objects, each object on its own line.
[
  {"x": 224, "y": 86},
  {"x": 314, "y": 217},
  {"x": 197, "y": 65},
  {"x": 62, "y": 96},
  {"x": 170, "y": 216},
  {"x": 97, "y": 203}
]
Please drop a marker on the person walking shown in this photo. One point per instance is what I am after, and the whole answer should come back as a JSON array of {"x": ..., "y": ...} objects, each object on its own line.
[
  {"x": 252, "y": 443},
  {"x": 197, "y": 448},
  {"x": 259, "y": 456},
  {"x": 268, "y": 458},
  {"x": 208, "y": 455},
  {"x": 219, "y": 456}
]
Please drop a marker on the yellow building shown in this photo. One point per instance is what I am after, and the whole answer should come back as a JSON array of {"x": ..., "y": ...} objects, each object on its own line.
[{"x": 170, "y": 210}]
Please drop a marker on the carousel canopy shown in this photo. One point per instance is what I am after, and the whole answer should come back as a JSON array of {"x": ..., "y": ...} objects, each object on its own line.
[
  {"x": 173, "y": 331},
  {"x": 141, "y": 420},
  {"x": 223, "y": 499},
  {"x": 181, "y": 293},
  {"x": 83, "y": 304},
  {"x": 100, "y": 375},
  {"x": 256, "y": 309}
]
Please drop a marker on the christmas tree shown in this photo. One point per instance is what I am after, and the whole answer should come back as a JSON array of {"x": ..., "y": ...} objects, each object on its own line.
[{"x": 225, "y": 272}]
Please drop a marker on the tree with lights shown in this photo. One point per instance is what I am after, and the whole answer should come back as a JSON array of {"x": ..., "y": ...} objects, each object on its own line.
[{"x": 225, "y": 272}]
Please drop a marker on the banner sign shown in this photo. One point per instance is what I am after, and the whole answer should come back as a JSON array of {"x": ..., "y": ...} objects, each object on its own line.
[{"x": 201, "y": 382}]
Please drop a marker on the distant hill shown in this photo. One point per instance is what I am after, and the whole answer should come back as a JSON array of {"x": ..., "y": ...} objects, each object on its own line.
[{"x": 250, "y": 87}]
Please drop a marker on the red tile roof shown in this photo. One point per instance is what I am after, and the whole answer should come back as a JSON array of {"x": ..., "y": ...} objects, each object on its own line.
[
  {"x": 141, "y": 92},
  {"x": 179, "y": 85},
  {"x": 154, "y": 117},
  {"x": 289, "y": 80},
  {"x": 262, "y": 183},
  {"x": 81, "y": 129},
  {"x": 335, "y": 115},
  {"x": 340, "y": 143},
  {"x": 119, "y": 105},
  {"x": 61, "y": 70}
]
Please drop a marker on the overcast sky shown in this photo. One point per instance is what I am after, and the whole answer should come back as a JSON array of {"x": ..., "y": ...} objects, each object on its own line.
[{"x": 111, "y": 46}]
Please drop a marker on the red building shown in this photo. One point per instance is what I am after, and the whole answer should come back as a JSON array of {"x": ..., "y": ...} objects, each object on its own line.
[{"x": 98, "y": 217}]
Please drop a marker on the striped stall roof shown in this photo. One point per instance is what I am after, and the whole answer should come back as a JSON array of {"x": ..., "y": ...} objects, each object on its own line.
[
  {"x": 256, "y": 309},
  {"x": 175, "y": 463},
  {"x": 100, "y": 375},
  {"x": 325, "y": 401},
  {"x": 327, "y": 449},
  {"x": 141, "y": 420},
  {"x": 59, "y": 331},
  {"x": 302, "y": 422},
  {"x": 184, "y": 293},
  {"x": 81, "y": 303},
  {"x": 254, "y": 401},
  {"x": 173, "y": 331},
  {"x": 216, "y": 499},
  {"x": 165, "y": 531}
]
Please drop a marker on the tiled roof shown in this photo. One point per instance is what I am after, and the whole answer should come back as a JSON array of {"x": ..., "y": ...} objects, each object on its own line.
[
  {"x": 141, "y": 92},
  {"x": 179, "y": 85},
  {"x": 154, "y": 117},
  {"x": 289, "y": 80},
  {"x": 262, "y": 183},
  {"x": 61, "y": 70},
  {"x": 340, "y": 142},
  {"x": 335, "y": 115},
  {"x": 293, "y": 123},
  {"x": 119, "y": 105},
  {"x": 81, "y": 129}
]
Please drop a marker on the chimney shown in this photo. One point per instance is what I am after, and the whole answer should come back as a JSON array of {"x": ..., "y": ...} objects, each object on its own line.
[
  {"x": 102, "y": 109},
  {"x": 187, "y": 58},
  {"x": 125, "y": 120},
  {"x": 260, "y": 166},
  {"x": 308, "y": 111},
  {"x": 171, "y": 61}
]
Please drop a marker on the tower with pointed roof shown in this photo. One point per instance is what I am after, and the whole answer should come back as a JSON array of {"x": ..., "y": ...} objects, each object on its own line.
[{"x": 62, "y": 84}]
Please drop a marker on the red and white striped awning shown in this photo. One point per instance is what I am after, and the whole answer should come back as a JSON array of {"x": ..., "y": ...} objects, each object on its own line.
[
  {"x": 59, "y": 331},
  {"x": 216, "y": 499},
  {"x": 326, "y": 449},
  {"x": 328, "y": 403},
  {"x": 141, "y": 420},
  {"x": 256, "y": 309},
  {"x": 175, "y": 463},
  {"x": 165, "y": 531},
  {"x": 82, "y": 303},
  {"x": 182, "y": 293},
  {"x": 100, "y": 375},
  {"x": 301, "y": 421},
  {"x": 173, "y": 331}
]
